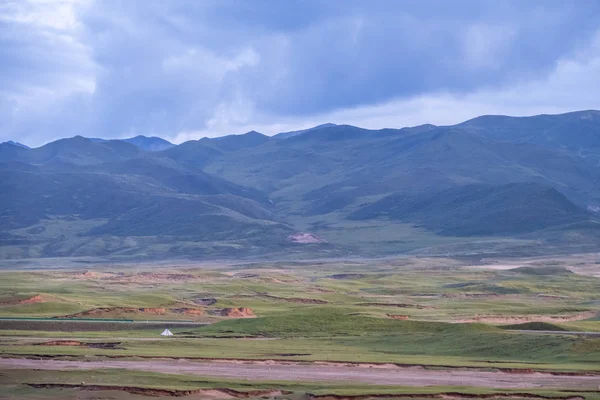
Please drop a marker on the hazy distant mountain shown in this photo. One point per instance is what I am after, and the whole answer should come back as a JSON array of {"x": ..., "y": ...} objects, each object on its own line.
[
  {"x": 150, "y": 143},
  {"x": 123, "y": 207},
  {"x": 285, "y": 135},
  {"x": 479, "y": 209},
  {"x": 573, "y": 131},
  {"x": 193, "y": 152},
  {"x": 491, "y": 184},
  {"x": 9, "y": 151},
  {"x": 12, "y": 142},
  {"x": 236, "y": 142},
  {"x": 76, "y": 150}
]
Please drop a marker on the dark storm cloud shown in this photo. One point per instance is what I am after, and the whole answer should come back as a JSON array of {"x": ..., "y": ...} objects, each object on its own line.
[{"x": 113, "y": 68}]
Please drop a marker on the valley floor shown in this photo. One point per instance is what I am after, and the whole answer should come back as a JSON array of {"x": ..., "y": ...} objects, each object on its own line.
[
  {"x": 373, "y": 374},
  {"x": 393, "y": 328}
]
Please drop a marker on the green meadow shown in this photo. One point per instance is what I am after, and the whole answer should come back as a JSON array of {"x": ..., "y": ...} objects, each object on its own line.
[{"x": 430, "y": 312}]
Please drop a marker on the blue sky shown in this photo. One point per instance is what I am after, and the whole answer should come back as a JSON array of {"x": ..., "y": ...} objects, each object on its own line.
[{"x": 187, "y": 69}]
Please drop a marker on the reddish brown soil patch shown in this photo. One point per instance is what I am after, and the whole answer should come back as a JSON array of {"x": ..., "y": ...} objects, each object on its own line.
[
  {"x": 156, "y": 310},
  {"x": 519, "y": 370},
  {"x": 240, "y": 312},
  {"x": 32, "y": 300},
  {"x": 60, "y": 343},
  {"x": 29, "y": 300},
  {"x": 398, "y": 305},
  {"x": 398, "y": 316}
]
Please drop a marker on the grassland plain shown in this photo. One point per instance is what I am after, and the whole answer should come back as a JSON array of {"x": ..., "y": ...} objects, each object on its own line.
[
  {"x": 124, "y": 384},
  {"x": 407, "y": 311}
]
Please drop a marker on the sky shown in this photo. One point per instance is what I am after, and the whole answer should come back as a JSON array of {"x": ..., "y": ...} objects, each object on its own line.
[{"x": 183, "y": 70}]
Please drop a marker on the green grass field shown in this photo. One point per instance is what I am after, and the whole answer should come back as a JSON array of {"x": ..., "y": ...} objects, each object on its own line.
[
  {"x": 11, "y": 385},
  {"x": 320, "y": 311}
]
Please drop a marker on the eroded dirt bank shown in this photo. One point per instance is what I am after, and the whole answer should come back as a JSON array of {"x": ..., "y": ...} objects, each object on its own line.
[
  {"x": 447, "y": 395},
  {"x": 328, "y": 373},
  {"x": 155, "y": 392},
  {"x": 282, "y": 361},
  {"x": 225, "y": 393}
]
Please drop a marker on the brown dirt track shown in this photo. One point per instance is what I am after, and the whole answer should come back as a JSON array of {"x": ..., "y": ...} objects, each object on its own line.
[{"x": 380, "y": 375}]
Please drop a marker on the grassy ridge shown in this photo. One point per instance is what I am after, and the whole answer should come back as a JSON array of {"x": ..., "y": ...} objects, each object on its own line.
[{"x": 327, "y": 321}]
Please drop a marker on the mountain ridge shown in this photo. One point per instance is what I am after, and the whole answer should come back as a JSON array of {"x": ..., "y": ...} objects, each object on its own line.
[{"x": 528, "y": 181}]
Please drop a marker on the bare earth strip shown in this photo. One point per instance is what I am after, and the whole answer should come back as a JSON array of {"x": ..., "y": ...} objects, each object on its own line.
[
  {"x": 501, "y": 319},
  {"x": 329, "y": 373}
]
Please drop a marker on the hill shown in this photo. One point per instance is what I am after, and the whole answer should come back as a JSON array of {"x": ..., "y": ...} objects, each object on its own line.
[
  {"x": 149, "y": 143},
  {"x": 12, "y": 142},
  {"x": 76, "y": 151},
  {"x": 236, "y": 142},
  {"x": 125, "y": 206},
  {"x": 576, "y": 131},
  {"x": 479, "y": 209},
  {"x": 146, "y": 143},
  {"x": 286, "y": 135},
  {"x": 493, "y": 184}
]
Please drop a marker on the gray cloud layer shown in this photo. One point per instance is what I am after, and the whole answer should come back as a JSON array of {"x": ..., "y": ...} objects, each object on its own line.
[{"x": 185, "y": 69}]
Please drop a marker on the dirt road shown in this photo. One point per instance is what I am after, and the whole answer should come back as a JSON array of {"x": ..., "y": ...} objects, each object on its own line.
[{"x": 376, "y": 375}]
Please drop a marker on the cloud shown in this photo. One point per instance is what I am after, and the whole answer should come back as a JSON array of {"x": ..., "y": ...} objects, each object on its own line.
[
  {"x": 47, "y": 73},
  {"x": 183, "y": 69},
  {"x": 572, "y": 85}
]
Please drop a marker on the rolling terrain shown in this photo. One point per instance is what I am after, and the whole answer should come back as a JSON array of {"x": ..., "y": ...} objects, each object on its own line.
[
  {"x": 359, "y": 329},
  {"x": 492, "y": 184}
]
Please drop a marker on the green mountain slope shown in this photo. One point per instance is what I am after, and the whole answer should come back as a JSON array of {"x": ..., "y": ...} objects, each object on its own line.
[
  {"x": 479, "y": 209},
  {"x": 77, "y": 150},
  {"x": 572, "y": 131},
  {"x": 493, "y": 183},
  {"x": 152, "y": 143}
]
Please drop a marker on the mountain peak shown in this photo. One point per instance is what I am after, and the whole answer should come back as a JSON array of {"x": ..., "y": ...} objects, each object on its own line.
[
  {"x": 152, "y": 143},
  {"x": 286, "y": 135},
  {"x": 548, "y": 130},
  {"x": 13, "y": 143},
  {"x": 253, "y": 133},
  {"x": 237, "y": 142},
  {"x": 146, "y": 137}
]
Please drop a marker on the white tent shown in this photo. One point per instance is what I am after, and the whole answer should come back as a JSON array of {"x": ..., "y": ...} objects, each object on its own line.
[{"x": 166, "y": 332}]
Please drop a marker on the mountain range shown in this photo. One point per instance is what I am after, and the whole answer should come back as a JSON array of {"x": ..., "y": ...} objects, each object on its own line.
[{"x": 493, "y": 184}]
